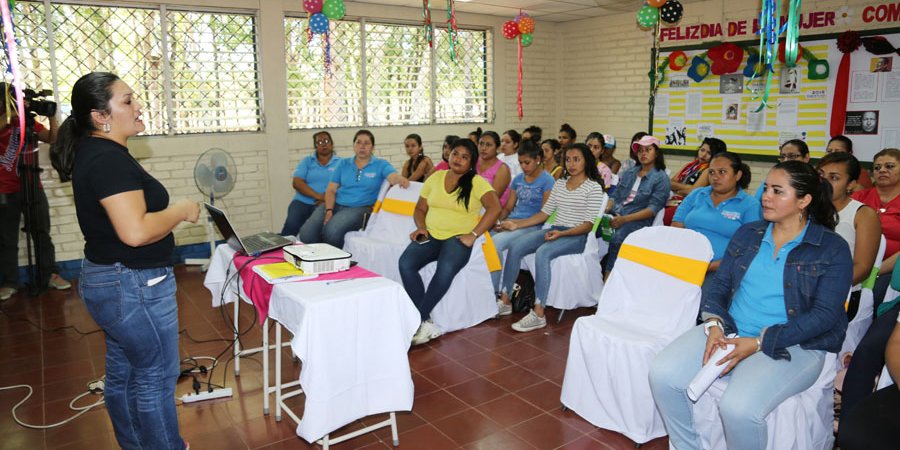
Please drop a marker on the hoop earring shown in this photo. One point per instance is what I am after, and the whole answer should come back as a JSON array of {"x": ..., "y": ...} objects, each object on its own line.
[{"x": 106, "y": 128}]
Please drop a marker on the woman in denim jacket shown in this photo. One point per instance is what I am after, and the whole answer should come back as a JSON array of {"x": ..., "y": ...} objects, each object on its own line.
[
  {"x": 781, "y": 288},
  {"x": 641, "y": 193}
]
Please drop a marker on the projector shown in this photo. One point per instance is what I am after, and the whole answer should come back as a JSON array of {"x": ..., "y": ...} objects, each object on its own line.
[{"x": 314, "y": 259}]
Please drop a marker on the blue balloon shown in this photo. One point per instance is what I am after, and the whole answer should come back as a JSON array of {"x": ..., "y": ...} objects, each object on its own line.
[{"x": 318, "y": 23}]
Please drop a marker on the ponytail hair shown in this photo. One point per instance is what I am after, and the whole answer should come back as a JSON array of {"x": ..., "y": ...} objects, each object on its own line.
[
  {"x": 736, "y": 164},
  {"x": 477, "y": 134},
  {"x": 465, "y": 181},
  {"x": 90, "y": 93},
  {"x": 806, "y": 180},
  {"x": 566, "y": 128}
]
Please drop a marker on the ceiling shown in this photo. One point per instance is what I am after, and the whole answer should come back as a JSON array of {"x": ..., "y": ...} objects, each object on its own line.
[{"x": 550, "y": 11}]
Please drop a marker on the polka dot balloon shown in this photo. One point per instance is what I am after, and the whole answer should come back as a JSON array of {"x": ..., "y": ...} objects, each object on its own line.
[
  {"x": 647, "y": 16},
  {"x": 671, "y": 12}
]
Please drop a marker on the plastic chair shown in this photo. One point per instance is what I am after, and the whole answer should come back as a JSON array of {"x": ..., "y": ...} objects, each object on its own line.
[
  {"x": 577, "y": 279},
  {"x": 379, "y": 247},
  {"x": 802, "y": 422},
  {"x": 857, "y": 327},
  {"x": 651, "y": 297}
]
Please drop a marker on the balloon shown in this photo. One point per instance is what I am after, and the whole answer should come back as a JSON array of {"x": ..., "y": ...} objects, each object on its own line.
[
  {"x": 656, "y": 3},
  {"x": 647, "y": 16},
  {"x": 510, "y": 29},
  {"x": 334, "y": 9},
  {"x": 318, "y": 23},
  {"x": 520, "y": 15},
  {"x": 526, "y": 25},
  {"x": 672, "y": 11},
  {"x": 527, "y": 39},
  {"x": 312, "y": 6}
]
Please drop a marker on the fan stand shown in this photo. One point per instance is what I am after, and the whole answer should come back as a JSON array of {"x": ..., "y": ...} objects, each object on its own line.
[{"x": 210, "y": 233}]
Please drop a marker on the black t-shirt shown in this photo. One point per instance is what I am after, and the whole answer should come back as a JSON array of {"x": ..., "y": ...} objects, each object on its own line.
[{"x": 104, "y": 168}]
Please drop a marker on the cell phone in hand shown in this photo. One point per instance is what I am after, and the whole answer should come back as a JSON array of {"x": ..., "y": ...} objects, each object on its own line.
[{"x": 421, "y": 239}]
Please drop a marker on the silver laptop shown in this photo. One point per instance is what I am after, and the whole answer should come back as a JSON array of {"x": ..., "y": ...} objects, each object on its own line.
[{"x": 250, "y": 245}]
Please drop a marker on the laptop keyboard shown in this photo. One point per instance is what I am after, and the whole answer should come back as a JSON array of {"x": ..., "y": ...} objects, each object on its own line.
[{"x": 260, "y": 242}]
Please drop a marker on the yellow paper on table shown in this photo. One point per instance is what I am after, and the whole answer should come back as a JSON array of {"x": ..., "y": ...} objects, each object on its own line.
[{"x": 281, "y": 272}]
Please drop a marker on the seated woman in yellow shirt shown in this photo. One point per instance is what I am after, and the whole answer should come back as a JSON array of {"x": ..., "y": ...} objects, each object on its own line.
[{"x": 447, "y": 225}]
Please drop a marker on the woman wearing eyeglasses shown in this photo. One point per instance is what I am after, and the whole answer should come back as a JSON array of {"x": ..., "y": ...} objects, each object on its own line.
[
  {"x": 868, "y": 359},
  {"x": 351, "y": 193},
  {"x": 310, "y": 180}
]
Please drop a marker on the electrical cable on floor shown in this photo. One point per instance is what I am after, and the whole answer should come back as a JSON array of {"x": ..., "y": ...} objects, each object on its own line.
[{"x": 94, "y": 388}]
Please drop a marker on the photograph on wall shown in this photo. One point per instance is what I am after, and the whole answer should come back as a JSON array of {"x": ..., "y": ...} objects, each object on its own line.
[
  {"x": 676, "y": 134},
  {"x": 882, "y": 64},
  {"x": 731, "y": 84},
  {"x": 731, "y": 108},
  {"x": 861, "y": 122},
  {"x": 790, "y": 81},
  {"x": 679, "y": 82}
]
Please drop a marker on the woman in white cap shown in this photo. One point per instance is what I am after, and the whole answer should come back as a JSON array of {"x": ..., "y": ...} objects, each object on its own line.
[{"x": 641, "y": 193}]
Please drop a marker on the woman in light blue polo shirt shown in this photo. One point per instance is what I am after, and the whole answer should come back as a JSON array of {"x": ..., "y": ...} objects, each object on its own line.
[
  {"x": 350, "y": 194},
  {"x": 310, "y": 180},
  {"x": 718, "y": 210}
]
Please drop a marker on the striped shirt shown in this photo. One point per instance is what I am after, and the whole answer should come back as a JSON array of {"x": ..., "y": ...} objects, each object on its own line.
[{"x": 574, "y": 207}]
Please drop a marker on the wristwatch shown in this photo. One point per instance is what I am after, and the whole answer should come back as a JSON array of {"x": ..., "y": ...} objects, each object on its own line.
[{"x": 712, "y": 323}]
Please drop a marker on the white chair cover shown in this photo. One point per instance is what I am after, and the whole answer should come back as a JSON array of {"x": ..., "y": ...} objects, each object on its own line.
[
  {"x": 577, "y": 279},
  {"x": 470, "y": 299},
  {"x": 642, "y": 309},
  {"x": 802, "y": 422},
  {"x": 885, "y": 380},
  {"x": 857, "y": 327}
]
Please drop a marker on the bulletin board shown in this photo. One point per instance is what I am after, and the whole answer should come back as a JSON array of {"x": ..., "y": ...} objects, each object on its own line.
[{"x": 724, "y": 106}]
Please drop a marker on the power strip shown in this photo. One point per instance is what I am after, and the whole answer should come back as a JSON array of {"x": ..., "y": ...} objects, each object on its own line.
[{"x": 203, "y": 395}]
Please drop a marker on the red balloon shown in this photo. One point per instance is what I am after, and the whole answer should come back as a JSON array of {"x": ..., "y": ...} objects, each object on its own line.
[
  {"x": 656, "y": 3},
  {"x": 510, "y": 29}
]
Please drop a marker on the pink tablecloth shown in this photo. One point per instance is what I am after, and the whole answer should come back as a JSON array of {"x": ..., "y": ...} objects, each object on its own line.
[{"x": 260, "y": 291}]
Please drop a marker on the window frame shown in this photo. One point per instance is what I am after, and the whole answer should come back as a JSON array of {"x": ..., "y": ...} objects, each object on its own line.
[{"x": 489, "y": 55}]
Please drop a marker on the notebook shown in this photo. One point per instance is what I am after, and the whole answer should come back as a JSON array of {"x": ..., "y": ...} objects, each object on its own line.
[{"x": 251, "y": 245}]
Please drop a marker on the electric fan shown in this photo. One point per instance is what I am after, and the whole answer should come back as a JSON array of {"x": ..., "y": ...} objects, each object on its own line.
[{"x": 214, "y": 174}]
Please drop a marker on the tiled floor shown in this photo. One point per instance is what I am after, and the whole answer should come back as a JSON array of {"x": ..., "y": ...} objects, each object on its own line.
[{"x": 487, "y": 387}]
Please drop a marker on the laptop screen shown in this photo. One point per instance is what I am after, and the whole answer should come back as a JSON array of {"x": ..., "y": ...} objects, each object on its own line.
[{"x": 224, "y": 227}]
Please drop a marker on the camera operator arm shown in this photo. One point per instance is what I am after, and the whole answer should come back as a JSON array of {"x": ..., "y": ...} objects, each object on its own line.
[{"x": 49, "y": 135}]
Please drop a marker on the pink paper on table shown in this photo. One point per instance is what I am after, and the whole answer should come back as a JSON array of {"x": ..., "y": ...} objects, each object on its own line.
[{"x": 260, "y": 291}]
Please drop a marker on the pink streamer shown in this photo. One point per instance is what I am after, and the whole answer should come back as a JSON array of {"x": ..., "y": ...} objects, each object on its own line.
[
  {"x": 14, "y": 67},
  {"x": 519, "y": 90}
]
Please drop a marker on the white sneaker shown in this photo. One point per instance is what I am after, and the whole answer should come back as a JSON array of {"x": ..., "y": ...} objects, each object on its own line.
[
  {"x": 427, "y": 331},
  {"x": 503, "y": 309},
  {"x": 6, "y": 292},
  {"x": 530, "y": 322}
]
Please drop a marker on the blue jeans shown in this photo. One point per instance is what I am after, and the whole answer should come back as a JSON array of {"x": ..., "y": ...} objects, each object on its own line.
[
  {"x": 451, "y": 256},
  {"x": 544, "y": 253},
  {"x": 502, "y": 241},
  {"x": 757, "y": 385},
  {"x": 297, "y": 214},
  {"x": 140, "y": 323},
  {"x": 343, "y": 219}
]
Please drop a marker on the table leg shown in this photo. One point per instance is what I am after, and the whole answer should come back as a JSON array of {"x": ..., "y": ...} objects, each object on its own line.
[
  {"x": 277, "y": 371},
  {"x": 394, "y": 429},
  {"x": 265, "y": 346},
  {"x": 237, "y": 342}
]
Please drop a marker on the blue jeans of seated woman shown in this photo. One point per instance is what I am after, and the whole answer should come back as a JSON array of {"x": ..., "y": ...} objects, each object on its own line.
[
  {"x": 140, "y": 323},
  {"x": 451, "y": 256},
  {"x": 502, "y": 241},
  {"x": 544, "y": 252},
  {"x": 757, "y": 385},
  {"x": 343, "y": 219},
  {"x": 297, "y": 214}
]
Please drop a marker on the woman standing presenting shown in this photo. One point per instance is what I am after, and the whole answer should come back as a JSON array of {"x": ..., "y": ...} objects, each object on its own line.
[{"x": 127, "y": 281}]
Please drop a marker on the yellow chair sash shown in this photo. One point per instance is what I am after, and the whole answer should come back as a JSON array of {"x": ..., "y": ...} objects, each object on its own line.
[
  {"x": 490, "y": 254},
  {"x": 395, "y": 206},
  {"x": 690, "y": 270}
]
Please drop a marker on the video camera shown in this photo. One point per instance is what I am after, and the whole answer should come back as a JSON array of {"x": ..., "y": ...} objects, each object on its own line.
[{"x": 36, "y": 102}]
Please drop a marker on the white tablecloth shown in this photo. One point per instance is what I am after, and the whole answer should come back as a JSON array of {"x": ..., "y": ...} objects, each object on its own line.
[{"x": 352, "y": 336}]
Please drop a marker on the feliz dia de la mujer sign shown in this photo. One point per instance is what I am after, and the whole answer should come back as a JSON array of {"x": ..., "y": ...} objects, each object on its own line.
[{"x": 889, "y": 12}]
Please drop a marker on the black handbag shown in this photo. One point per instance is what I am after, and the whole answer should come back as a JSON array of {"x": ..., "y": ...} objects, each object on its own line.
[{"x": 522, "y": 297}]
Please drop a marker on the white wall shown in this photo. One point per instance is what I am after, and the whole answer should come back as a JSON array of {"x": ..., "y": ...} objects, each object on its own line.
[{"x": 267, "y": 159}]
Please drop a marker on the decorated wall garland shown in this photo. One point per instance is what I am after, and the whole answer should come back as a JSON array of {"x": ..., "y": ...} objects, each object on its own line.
[{"x": 522, "y": 28}]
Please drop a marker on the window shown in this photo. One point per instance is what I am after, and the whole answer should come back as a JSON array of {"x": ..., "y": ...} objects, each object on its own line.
[
  {"x": 193, "y": 71},
  {"x": 400, "y": 87}
]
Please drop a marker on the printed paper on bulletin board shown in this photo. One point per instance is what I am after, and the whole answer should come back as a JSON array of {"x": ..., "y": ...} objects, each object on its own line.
[{"x": 724, "y": 106}]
